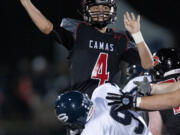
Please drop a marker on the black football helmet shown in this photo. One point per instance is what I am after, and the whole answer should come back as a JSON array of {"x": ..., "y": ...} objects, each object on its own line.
[
  {"x": 87, "y": 14},
  {"x": 72, "y": 109},
  {"x": 165, "y": 59}
]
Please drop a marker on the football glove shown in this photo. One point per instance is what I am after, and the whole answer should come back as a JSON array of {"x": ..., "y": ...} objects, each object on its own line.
[
  {"x": 144, "y": 87},
  {"x": 122, "y": 100}
]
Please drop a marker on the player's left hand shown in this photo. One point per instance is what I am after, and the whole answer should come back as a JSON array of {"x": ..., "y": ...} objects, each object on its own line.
[
  {"x": 131, "y": 23},
  {"x": 122, "y": 100}
]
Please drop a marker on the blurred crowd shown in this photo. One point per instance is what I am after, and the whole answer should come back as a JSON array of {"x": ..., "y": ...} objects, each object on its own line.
[{"x": 27, "y": 96}]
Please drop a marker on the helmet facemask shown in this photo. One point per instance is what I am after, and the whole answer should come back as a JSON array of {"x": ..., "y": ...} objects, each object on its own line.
[{"x": 99, "y": 19}]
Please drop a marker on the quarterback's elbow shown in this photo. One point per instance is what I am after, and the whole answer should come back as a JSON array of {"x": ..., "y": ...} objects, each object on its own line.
[{"x": 46, "y": 30}]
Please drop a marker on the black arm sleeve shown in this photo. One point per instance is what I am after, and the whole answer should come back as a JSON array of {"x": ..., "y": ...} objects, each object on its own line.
[
  {"x": 131, "y": 55},
  {"x": 65, "y": 33},
  {"x": 63, "y": 37}
]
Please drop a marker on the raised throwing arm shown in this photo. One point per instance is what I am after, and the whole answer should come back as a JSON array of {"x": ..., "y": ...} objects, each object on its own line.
[{"x": 43, "y": 24}]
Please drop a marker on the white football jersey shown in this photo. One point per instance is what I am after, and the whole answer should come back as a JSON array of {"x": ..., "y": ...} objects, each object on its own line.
[{"x": 106, "y": 122}]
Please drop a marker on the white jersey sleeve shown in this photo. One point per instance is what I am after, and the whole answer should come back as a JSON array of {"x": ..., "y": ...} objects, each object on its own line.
[{"x": 104, "y": 121}]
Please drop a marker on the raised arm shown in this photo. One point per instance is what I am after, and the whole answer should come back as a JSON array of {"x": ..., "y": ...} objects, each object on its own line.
[
  {"x": 133, "y": 26},
  {"x": 43, "y": 24}
]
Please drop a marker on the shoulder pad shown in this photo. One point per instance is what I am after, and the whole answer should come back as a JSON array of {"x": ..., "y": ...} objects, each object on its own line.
[{"x": 69, "y": 24}]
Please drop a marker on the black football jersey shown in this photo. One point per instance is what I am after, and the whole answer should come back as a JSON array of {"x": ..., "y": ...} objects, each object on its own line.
[
  {"x": 94, "y": 56},
  {"x": 171, "y": 117}
]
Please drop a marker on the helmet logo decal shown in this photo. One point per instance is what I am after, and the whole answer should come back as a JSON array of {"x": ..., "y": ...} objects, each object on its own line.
[
  {"x": 63, "y": 117},
  {"x": 156, "y": 60}
]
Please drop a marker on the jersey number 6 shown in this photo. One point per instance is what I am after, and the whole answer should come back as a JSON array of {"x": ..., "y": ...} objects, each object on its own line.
[
  {"x": 125, "y": 117},
  {"x": 100, "y": 69}
]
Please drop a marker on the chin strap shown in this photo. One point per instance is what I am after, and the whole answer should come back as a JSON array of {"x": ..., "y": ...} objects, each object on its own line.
[
  {"x": 75, "y": 132},
  {"x": 99, "y": 25},
  {"x": 70, "y": 131}
]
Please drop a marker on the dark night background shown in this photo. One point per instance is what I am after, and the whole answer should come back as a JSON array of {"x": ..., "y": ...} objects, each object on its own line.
[{"x": 20, "y": 39}]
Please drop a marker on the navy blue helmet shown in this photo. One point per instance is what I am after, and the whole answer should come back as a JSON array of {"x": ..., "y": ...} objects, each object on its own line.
[
  {"x": 165, "y": 59},
  {"x": 135, "y": 71},
  {"x": 72, "y": 109},
  {"x": 111, "y": 15}
]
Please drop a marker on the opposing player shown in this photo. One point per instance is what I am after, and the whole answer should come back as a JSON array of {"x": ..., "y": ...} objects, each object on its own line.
[
  {"x": 166, "y": 70},
  {"x": 96, "y": 50},
  {"x": 167, "y": 96},
  {"x": 94, "y": 116}
]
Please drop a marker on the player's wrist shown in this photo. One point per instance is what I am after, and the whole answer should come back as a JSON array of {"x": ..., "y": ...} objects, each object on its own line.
[
  {"x": 151, "y": 89},
  {"x": 138, "y": 38},
  {"x": 25, "y": 2},
  {"x": 138, "y": 102}
]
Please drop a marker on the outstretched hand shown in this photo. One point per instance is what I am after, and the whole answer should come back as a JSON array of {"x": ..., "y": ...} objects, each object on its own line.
[
  {"x": 131, "y": 23},
  {"x": 144, "y": 87},
  {"x": 121, "y": 100}
]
